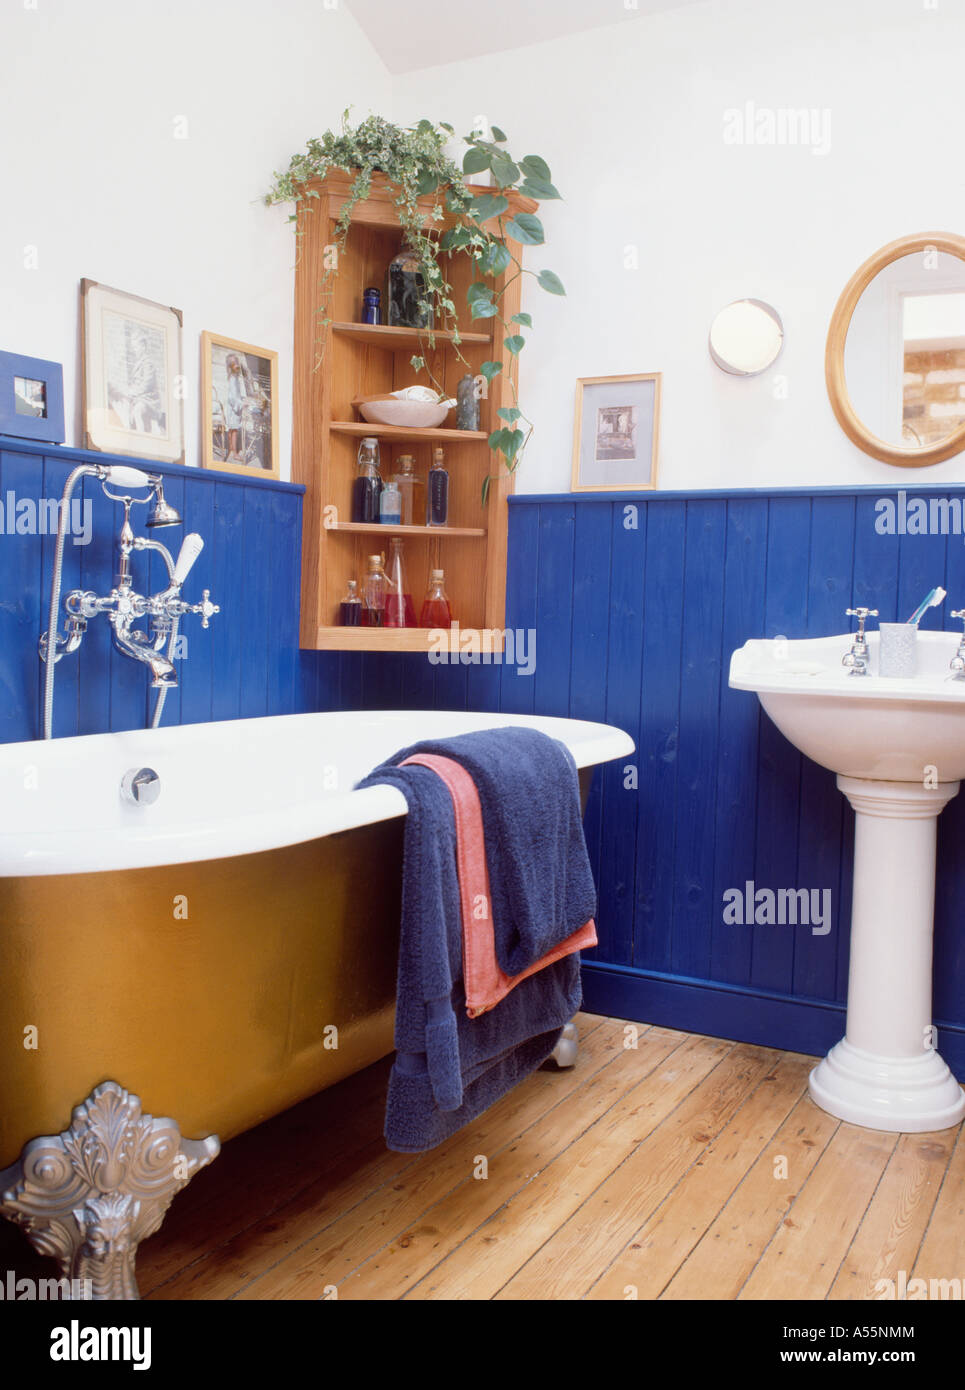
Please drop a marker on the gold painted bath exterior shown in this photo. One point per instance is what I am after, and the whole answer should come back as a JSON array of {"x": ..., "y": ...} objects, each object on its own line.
[{"x": 206, "y": 988}]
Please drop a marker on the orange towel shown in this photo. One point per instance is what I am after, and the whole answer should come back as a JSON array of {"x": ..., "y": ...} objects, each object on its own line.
[{"x": 484, "y": 980}]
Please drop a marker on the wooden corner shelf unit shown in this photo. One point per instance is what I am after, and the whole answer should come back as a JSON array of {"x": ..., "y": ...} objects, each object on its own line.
[{"x": 333, "y": 366}]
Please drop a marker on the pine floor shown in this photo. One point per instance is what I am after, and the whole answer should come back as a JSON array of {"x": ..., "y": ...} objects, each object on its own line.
[{"x": 684, "y": 1168}]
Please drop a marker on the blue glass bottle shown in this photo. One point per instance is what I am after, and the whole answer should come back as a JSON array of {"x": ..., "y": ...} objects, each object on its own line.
[{"x": 372, "y": 306}]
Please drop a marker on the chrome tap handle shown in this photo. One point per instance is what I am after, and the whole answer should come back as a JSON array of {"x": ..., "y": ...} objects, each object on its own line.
[
  {"x": 857, "y": 657},
  {"x": 206, "y": 608},
  {"x": 957, "y": 663},
  {"x": 191, "y": 548},
  {"x": 862, "y": 615}
]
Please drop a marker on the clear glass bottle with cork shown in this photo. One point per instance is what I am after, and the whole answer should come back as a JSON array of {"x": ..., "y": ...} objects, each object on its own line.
[
  {"x": 407, "y": 482},
  {"x": 373, "y": 594},
  {"x": 435, "y": 606},
  {"x": 350, "y": 609}
]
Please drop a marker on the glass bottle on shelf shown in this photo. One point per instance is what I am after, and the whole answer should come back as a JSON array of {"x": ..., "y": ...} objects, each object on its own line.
[
  {"x": 406, "y": 481},
  {"x": 350, "y": 609},
  {"x": 437, "y": 492},
  {"x": 407, "y": 302},
  {"x": 435, "y": 606},
  {"x": 373, "y": 594},
  {"x": 367, "y": 488},
  {"x": 390, "y": 505},
  {"x": 372, "y": 306},
  {"x": 399, "y": 608}
]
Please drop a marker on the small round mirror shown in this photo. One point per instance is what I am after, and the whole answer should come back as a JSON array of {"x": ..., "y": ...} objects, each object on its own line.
[
  {"x": 746, "y": 337},
  {"x": 895, "y": 359}
]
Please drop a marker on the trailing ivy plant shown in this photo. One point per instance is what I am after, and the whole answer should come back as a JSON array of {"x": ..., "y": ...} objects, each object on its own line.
[{"x": 481, "y": 226}]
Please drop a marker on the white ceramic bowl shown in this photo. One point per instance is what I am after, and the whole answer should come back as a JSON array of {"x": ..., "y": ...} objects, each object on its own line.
[{"x": 414, "y": 415}]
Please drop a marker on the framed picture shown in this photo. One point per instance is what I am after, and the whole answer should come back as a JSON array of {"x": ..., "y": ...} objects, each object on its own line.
[
  {"x": 239, "y": 391},
  {"x": 616, "y": 433},
  {"x": 132, "y": 376},
  {"x": 31, "y": 398}
]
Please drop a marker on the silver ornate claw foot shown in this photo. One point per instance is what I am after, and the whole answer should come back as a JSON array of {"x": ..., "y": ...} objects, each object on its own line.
[
  {"x": 567, "y": 1050},
  {"x": 90, "y": 1195}
]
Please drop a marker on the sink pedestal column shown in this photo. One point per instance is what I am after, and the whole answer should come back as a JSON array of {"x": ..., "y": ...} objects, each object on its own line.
[{"x": 886, "y": 1073}]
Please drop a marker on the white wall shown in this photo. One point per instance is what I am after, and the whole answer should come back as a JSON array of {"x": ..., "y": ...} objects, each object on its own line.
[
  {"x": 631, "y": 119},
  {"x": 92, "y": 176}
]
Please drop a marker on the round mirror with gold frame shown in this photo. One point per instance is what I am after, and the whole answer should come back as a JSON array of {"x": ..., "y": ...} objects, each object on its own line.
[{"x": 895, "y": 357}]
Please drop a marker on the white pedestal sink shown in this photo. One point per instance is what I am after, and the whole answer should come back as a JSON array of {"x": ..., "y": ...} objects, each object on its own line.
[{"x": 898, "y": 747}]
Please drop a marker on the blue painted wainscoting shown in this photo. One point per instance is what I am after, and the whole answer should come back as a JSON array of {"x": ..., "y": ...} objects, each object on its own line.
[
  {"x": 635, "y": 626},
  {"x": 246, "y": 664}
]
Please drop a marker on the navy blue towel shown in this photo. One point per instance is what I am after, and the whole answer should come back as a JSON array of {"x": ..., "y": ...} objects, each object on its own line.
[{"x": 449, "y": 1068}]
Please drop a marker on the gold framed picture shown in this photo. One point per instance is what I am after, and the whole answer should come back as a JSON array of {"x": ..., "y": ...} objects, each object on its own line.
[
  {"x": 239, "y": 392},
  {"x": 616, "y": 433},
  {"x": 132, "y": 386}
]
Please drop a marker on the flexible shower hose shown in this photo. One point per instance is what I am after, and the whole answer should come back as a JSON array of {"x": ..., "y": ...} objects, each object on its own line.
[{"x": 53, "y": 622}]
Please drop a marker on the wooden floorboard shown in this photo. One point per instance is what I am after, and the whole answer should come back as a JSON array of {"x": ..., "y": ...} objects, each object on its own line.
[{"x": 664, "y": 1165}]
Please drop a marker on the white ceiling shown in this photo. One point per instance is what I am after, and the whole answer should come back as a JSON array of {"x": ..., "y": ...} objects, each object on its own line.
[{"x": 412, "y": 34}]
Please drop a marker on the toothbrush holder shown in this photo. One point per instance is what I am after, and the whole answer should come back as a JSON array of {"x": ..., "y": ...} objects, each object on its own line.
[{"x": 897, "y": 649}]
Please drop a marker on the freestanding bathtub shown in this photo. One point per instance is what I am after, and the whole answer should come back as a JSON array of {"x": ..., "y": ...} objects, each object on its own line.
[{"x": 212, "y": 957}]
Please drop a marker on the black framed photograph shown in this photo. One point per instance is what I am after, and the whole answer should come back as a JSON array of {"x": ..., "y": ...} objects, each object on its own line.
[
  {"x": 31, "y": 398},
  {"x": 616, "y": 433},
  {"x": 133, "y": 384},
  {"x": 239, "y": 392}
]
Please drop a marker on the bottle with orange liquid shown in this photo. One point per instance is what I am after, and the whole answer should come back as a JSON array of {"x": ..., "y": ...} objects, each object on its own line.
[
  {"x": 399, "y": 608},
  {"x": 435, "y": 606}
]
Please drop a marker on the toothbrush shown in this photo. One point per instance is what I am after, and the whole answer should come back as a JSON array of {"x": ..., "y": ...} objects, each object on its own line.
[{"x": 931, "y": 600}]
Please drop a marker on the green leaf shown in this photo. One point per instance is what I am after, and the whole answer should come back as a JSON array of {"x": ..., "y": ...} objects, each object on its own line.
[
  {"x": 475, "y": 160},
  {"x": 485, "y": 487},
  {"x": 509, "y": 413},
  {"x": 550, "y": 282},
  {"x": 526, "y": 228},
  {"x": 496, "y": 438},
  {"x": 455, "y": 238},
  {"x": 525, "y": 319},
  {"x": 511, "y": 444},
  {"x": 498, "y": 135},
  {"x": 446, "y": 126},
  {"x": 427, "y": 182},
  {"x": 495, "y": 259},
  {"x": 490, "y": 369},
  {"x": 514, "y": 344},
  {"x": 417, "y": 363},
  {"x": 539, "y": 188},
  {"x": 505, "y": 172},
  {"x": 535, "y": 168},
  {"x": 488, "y": 205},
  {"x": 479, "y": 297}
]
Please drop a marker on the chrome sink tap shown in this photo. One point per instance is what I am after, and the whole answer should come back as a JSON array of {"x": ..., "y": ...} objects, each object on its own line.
[
  {"x": 857, "y": 658},
  {"x": 957, "y": 663},
  {"x": 124, "y": 606}
]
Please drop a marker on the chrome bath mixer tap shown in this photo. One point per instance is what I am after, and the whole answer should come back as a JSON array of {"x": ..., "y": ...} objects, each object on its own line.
[{"x": 124, "y": 606}]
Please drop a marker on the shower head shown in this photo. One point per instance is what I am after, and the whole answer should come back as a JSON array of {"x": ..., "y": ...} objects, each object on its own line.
[{"x": 162, "y": 513}]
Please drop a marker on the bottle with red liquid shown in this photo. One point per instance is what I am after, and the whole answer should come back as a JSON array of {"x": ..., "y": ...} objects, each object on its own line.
[
  {"x": 399, "y": 608},
  {"x": 373, "y": 594},
  {"x": 435, "y": 607}
]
